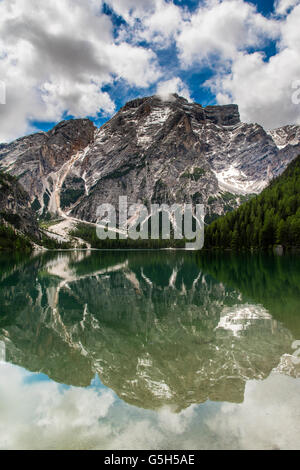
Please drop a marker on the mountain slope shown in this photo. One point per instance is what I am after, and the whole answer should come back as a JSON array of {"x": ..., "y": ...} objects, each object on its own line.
[
  {"x": 19, "y": 228},
  {"x": 175, "y": 151},
  {"x": 152, "y": 151},
  {"x": 40, "y": 161},
  {"x": 17, "y": 220},
  {"x": 271, "y": 218}
]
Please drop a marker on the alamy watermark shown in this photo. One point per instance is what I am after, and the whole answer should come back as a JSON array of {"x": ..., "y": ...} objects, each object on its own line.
[
  {"x": 158, "y": 222},
  {"x": 296, "y": 94},
  {"x": 2, "y": 92}
]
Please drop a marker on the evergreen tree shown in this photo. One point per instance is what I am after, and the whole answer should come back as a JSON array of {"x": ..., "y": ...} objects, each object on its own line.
[{"x": 271, "y": 218}]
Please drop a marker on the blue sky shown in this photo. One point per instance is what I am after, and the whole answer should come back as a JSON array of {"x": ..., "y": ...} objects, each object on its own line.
[
  {"x": 74, "y": 59},
  {"x": 167, "y": 58}
]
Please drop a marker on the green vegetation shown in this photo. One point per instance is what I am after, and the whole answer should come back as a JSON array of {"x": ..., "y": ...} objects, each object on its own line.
[
  {"x": 36, "y": 206},
  {"x": 246, "y": 198},
  {"x": 46, "y": 214},
  {"x": 73, "y": 188},
  {"x": 70, "y": 196},
  {"x": 6, "y": 178},
  {"x": 19, "y": 231},
  {"x": 262, "y": 278},
  {"x": 46, "y": 224},
  {"x": 209, "y": 219},
  {"x": 229, "y": 201},
  {"x": 197, "y": 198},
  {"x": 212, "y": 200},
  {"x": 229, "y": 197},
  {"x": 46, "y": 199},
  {"x": 52, "y": 244},
  {"x": 12, "y": 241},
  {"x": 10, "y": 223},
  {"x": 12, "y": 219},
  {"x": 195, "y": 175},
  {"x": 88, "y": 233},
  {"x": 271, "y": 218}
]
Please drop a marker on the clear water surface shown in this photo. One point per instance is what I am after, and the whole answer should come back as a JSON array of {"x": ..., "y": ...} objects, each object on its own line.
[{"x": 149, "y": 350}]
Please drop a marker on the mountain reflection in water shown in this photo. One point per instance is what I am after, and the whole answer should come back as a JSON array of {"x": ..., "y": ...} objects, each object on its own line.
[{"x": 159, "y": 329}]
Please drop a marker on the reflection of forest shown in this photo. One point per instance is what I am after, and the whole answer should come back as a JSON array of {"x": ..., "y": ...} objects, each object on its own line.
[
  {"x": 158, "y": 328},
  {"x": 272, "y": 281}
]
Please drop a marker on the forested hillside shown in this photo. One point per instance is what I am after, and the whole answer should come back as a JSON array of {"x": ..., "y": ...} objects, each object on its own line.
[
  {"x": 19, "y": 228},
  {"x": 271, "y": 218}
]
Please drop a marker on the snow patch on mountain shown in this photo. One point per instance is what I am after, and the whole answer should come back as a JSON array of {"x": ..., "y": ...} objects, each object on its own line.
[
  {"x": 153, "y": 122},
  {"x": 235, "y": 181},
  {"x": 239, "y": 318},
  {"x": 284, "y": 136}
]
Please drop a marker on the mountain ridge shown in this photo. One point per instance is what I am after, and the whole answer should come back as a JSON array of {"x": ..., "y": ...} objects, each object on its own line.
[{"x": 152, "y": 151}]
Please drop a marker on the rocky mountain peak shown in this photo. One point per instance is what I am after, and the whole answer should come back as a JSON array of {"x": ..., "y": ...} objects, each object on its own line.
[
  {"x": 155, "y": 149},
  {"x": 227, "y": 115},
  {"x": 37, "y": 160},
  {"x": 65, "y": 139}
]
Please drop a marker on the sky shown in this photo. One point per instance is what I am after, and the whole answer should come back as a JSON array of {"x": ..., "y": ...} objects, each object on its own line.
[
  {"x": 37, "y": 413},
  {"x": 86, "y": 58}
]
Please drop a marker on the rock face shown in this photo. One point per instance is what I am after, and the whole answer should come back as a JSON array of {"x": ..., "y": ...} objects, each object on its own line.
[
  {"x": 38, "y": 159},
  {"x": 15, "y": 207},
  {"x": 286, "y": 136},
  {"x": 152, "y": 151}
]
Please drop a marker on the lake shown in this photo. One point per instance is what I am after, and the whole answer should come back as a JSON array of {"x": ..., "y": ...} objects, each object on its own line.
[{"x": 149, "y": 350}]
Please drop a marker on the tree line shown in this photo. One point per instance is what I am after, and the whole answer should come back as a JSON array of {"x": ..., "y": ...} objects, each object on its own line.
[{"x": 272, "y": 218}]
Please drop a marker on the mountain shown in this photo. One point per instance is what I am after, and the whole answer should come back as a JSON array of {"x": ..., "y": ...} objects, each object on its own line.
[
  {"x": 19, "y": 227},
  {"x": 40, "y": 160},
  {"x": 18, "y": 224},
  {"x": 271, "y": 218},
  {"x": 287, "y": 136},
  {"x": 152, "y": 150}
]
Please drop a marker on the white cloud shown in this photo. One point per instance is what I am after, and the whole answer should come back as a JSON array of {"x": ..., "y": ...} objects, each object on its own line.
[
  {"x": 80, "y": 99},
  {"x": 282, "y": 6},
  {"x": 174, "y": 85},
  {"x": 154, "y": 21},
  {"x": 41, "y": 415},
  {"x": 220, "y": 34},
  {"x": 57, "y": 57},
  {"x": 163, "y": 23},
  {"x": 132, "y": 9},
  {"x": 176, "y": 423},
  {"x": 267, "y": 419},
  {"x": 220, "y": 29},
  {"x": 263, "y": 89},
  {"x": 136, "y": 65}
]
